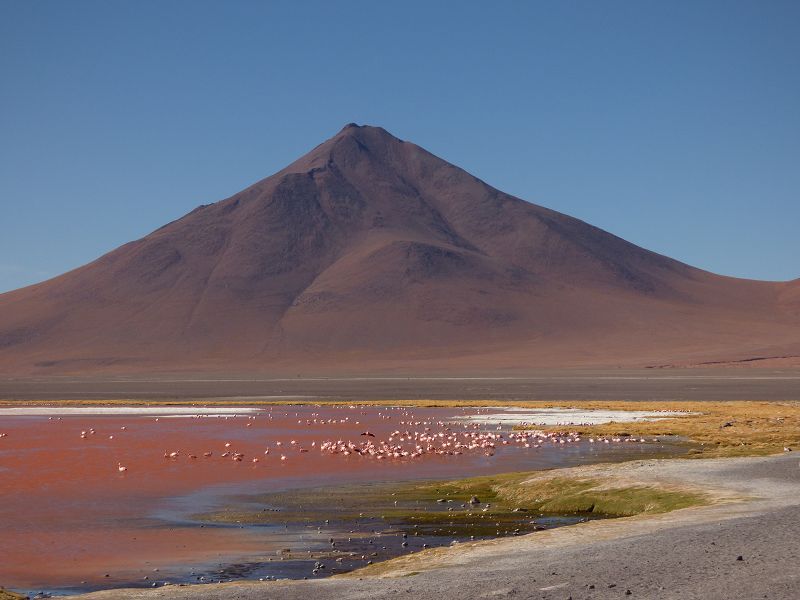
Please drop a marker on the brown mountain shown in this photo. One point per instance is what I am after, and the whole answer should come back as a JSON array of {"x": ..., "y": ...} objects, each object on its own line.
[{"x": 371, "y": 254}]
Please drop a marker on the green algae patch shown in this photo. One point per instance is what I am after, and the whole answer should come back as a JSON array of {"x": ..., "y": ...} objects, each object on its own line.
[
  {"x": 554, "y": 495},
  {"x": 592, "y": 496},
  {"x": 485, "y": 506}
]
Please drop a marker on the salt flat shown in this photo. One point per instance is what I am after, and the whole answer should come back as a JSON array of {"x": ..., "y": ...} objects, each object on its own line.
[{"x": 566, "y": 416}]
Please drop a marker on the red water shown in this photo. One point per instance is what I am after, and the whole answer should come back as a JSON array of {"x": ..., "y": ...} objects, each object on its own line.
[{"x": 70, "y": 518}]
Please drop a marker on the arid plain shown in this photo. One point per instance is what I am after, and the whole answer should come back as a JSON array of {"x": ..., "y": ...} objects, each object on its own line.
[{"x": 568, "y": 385}]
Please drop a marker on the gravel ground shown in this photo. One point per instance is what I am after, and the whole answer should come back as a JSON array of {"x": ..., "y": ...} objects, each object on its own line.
[{"x": 747, "y": 545}]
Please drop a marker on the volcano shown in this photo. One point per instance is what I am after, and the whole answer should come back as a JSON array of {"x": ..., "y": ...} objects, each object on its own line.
[{"x": 370, "y": 254}]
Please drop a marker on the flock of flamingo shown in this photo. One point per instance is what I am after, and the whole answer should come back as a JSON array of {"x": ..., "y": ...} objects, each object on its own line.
[
  {"x": 447, "y": 440},
  {"x": 412, "y": 438}
]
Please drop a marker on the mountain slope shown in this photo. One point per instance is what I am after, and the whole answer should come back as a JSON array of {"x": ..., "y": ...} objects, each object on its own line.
[{"x": 371, "y": 254}]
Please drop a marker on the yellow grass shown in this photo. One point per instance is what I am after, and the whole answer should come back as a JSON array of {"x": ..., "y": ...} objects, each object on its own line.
[{"x": 738, "y": 428}]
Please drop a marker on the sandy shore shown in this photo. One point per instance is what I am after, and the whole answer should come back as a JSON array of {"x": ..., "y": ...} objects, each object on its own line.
[{"x": 690, "y": 553}]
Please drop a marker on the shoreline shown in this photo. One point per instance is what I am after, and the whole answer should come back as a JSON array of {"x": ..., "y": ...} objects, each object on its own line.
[
  {"x": 742, "y": 488},
  {"x": 720, "y": 428}
]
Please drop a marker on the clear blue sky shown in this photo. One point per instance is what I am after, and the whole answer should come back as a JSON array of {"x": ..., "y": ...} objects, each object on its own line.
[{"x": 675, "y": 125}]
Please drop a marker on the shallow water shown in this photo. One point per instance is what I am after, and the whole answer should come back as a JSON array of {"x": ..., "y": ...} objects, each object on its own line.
[{"x": 71, "y": 520}]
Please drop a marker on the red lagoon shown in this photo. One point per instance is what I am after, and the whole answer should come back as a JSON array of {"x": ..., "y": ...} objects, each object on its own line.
[{"x": 93, "y": 500}]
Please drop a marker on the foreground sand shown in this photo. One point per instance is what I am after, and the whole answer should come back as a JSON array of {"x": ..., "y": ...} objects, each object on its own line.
[{"x": 690, "y": 553}]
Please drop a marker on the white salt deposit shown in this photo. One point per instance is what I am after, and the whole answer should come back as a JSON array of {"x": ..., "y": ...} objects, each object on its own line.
[{"x": 566, "y": 416}]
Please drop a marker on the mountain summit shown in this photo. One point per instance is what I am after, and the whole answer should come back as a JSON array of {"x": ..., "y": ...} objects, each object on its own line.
[{"x": 370, "y": 254}]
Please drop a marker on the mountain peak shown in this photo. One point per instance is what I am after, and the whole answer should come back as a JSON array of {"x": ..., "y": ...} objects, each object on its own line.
[
  {"x": 371, "y": 253},
  {"x": 373, "y": 131},
  {"x": 344, "y": 147}
]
